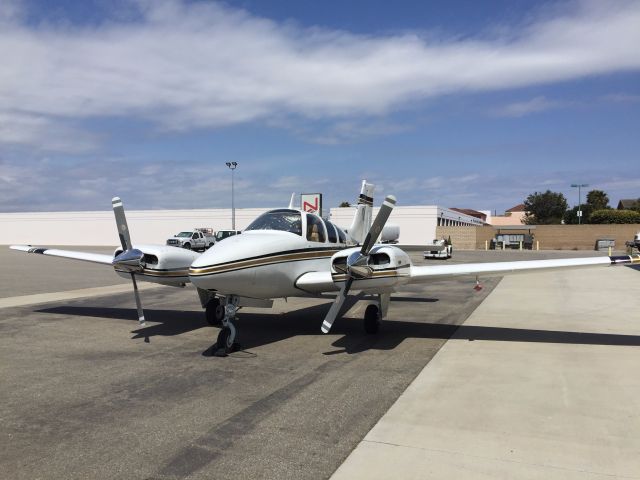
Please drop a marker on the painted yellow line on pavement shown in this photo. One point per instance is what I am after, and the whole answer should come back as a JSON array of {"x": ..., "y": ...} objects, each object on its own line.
[{"x": 21, "y": 301}]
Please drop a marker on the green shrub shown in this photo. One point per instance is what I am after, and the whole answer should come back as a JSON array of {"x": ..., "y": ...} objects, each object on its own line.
[{"x": 615, "y": 216}]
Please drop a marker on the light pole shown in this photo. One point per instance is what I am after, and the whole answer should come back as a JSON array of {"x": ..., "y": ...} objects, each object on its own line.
[
  {"x": 232, "y": 166},
  {"x": 579, "y": 186}
]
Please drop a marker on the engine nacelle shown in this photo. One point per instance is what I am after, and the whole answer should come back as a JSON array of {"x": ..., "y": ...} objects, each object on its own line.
[
  {"x": 390, "y": 234},
  {"x": 388, "y": 267},
  {"x": 159, "y": 264}
]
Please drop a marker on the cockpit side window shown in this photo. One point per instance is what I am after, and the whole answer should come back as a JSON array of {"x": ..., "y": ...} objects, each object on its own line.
[
  {"x": 315, "y": 229},
  {"x": 284, "y": 220},
  {"x": 331, "y": 232}
]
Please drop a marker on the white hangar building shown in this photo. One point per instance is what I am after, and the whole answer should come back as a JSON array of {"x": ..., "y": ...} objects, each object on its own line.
[{"x": 417, "y": 224}]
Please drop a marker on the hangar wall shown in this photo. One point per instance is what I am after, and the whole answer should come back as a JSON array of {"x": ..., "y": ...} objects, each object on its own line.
[
  {"x": 417, "y": 224},
  {"x": 99, "y": 228}
]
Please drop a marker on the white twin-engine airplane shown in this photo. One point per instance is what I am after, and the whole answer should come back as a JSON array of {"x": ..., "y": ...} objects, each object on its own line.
[{"x": 291, "y": 253}]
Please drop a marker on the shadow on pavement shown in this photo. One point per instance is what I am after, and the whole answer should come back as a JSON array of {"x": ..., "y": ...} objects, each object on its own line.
[{"x": 258, "y": 329}]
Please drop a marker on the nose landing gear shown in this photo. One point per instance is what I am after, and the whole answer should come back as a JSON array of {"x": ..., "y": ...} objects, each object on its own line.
[
  {"x": 214, "y": 312},
  {"x": 226, "y": 338}
]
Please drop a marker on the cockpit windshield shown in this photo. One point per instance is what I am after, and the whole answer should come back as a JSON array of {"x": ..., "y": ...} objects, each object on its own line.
[{"x": 284, "y": 220}]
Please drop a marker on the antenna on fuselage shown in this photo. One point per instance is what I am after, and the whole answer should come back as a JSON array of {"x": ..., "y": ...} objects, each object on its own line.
[{"x": 293, "y": 197}]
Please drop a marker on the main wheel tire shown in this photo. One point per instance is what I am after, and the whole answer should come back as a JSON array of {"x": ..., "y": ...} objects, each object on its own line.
[
  {"x": 372, "y": 319},
  {"x": 187, "y": 246},
  {"x": 214, "y": 312}
]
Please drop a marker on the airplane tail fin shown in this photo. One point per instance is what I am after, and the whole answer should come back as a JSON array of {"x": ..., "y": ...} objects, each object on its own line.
[{"x": 362, "y": 219}]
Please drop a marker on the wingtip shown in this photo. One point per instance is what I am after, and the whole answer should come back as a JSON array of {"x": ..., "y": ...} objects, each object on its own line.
[{"x": 22, "y": 248}]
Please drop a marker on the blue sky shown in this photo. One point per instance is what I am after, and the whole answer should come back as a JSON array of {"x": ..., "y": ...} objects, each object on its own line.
[{"x": 459, "y": 103}]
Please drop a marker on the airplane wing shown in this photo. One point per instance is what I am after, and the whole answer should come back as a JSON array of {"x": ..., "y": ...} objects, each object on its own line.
[
  {"x": 432, "y": 273},
  {"x": 318, "y": 282},
  {"x": 75, "y": 255}
]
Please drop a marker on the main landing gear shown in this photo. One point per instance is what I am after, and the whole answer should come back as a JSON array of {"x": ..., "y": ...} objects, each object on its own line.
[
  {"x": 375, "y": 312},
  {"x": 372, "y": 319},
  {"x": 224, "y": 314}
]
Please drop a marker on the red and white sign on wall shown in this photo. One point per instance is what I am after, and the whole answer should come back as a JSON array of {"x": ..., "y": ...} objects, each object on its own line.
[{"x": 311, "y": 202}]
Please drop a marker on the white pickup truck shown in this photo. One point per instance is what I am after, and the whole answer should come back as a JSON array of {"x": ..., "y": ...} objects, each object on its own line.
[
  {"x": 439, "y": 249},
  {"x": 196, "y": 239}
]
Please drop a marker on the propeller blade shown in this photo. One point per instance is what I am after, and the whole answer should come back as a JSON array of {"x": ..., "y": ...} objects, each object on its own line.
[
  {"x": 336, "y": 306},
  {"x": 121, "y": 222},
  {"x": 129, "y": 259},
  {"x": 136, "y": 293},
  {"x": 378, "y": 224}
]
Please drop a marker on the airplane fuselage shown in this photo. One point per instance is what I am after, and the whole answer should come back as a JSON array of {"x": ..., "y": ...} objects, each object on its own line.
[{"x": 261, "y": 264}]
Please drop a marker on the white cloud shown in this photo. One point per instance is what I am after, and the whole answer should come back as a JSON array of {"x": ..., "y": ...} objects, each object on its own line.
[
  {"x": 520, "y": 109},
  {"x": 184, "y": 66},
  {"x": 627, "y": 98},
  {"x": 41, "y": 132}
]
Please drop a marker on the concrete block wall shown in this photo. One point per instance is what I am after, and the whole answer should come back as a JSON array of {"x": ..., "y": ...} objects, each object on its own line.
[
  {"x": 466, "y": 238},
  {"x": 582, "y": 237},
  {"x": 550, "y": 237}
]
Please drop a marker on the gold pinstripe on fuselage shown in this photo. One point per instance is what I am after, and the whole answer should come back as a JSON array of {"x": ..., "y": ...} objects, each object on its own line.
[{"x": 283, "y": 257}]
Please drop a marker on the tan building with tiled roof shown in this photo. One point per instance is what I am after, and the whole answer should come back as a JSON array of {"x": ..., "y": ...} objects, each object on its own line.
[
  {"x": 627, "y": 203},
  {"x": 513, "y": 216}
]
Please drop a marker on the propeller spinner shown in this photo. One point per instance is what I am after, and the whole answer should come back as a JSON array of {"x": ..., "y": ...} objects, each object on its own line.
[{"x": 357, "y": 267}]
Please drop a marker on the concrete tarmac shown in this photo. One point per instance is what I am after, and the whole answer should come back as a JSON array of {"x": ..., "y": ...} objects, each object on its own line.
[
  {"x": 87, "y": 393},
  {"x": 540, "y": 382}
]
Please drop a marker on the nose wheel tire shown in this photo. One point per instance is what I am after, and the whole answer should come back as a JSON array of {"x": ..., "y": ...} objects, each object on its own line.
[
  {"x": 372, "y": 319},
  {"x": 226, "y": 341},
  {"x": 227, "y": 336},
  {"x": 214, "y": 312}
]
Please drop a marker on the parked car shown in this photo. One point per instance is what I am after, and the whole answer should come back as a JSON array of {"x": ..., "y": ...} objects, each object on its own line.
[
  {"x": 635, "y": 243},
  {"x": 222, "y": 234}
]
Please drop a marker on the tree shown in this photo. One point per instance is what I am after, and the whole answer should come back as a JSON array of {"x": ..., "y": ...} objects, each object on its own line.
[
  {"x": 546, "y": 208},
  {"x": 344, "y": 204},
  {"x": 597, "y": 200},
  {"x": 571, "y": 216}
]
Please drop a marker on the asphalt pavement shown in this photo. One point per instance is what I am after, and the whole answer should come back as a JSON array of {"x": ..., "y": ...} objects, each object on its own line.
[{"x": 89, "y": 394}]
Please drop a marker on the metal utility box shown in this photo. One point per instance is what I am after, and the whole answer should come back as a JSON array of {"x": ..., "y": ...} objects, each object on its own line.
[
  {"x": 512, "y": 240},
  {"x": 603, "y": 244}
]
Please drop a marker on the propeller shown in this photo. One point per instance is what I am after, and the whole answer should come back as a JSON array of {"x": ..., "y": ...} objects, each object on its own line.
[
  {"x": 357, "y": 267},
  {"x": 131, "y": 258}
]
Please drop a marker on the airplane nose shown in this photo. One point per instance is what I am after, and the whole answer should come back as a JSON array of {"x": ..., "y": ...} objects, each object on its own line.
[
  {"x": 240, "y": 251},
  {"x": 231, "y": 266},
  {"x": 223, "y": 251}
]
